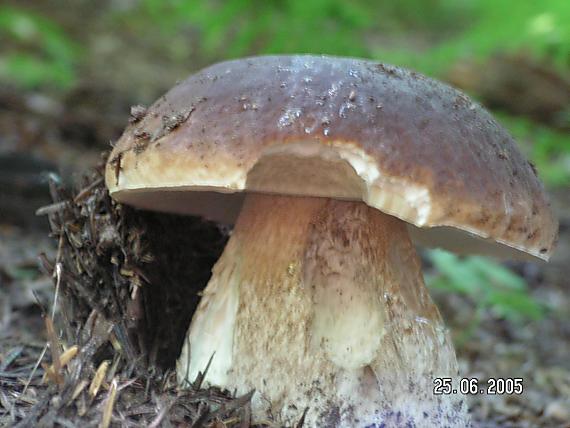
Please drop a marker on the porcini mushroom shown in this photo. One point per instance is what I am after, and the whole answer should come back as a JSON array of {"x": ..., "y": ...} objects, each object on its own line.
[{"x": 330, "y": 169}]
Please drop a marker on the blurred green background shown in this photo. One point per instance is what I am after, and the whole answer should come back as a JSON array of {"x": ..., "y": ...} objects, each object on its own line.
[{"x": 69, "y": 71}]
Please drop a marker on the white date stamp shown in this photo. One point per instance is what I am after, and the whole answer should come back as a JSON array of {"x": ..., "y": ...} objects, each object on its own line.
[{"x": 472, "y": 386}]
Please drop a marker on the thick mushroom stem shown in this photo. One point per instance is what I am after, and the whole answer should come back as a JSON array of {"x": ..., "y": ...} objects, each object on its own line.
[{"x": 318, "y": 303}]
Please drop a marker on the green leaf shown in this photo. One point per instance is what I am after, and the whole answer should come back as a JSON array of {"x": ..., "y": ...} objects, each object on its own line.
[
  {"x": 496, "y": 275},
  {"x": 42, "y": 53},
  {"x": 489, "y": 284},
  {"x": 515, "y": 306}
]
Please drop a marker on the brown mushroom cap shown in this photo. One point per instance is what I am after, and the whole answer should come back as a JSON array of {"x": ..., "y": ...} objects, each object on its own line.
[{"x": 345, "y": 128}]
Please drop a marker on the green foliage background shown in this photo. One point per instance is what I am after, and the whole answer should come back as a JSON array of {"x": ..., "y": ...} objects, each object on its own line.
[
  {"x": 428, "y": 35},
  {"x": 41, "y": 52}
]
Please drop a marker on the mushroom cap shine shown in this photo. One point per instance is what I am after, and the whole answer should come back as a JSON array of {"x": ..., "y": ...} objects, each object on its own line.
[{"x": 343, "y": 128}]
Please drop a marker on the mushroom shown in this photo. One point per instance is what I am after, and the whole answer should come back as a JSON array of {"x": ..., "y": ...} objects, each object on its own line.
[{"x": 330, "y": 168}]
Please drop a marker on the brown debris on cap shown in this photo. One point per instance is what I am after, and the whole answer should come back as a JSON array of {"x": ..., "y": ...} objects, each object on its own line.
[
  {"x": 405, "y": 144},
  {"x": 138, "y": 113}
]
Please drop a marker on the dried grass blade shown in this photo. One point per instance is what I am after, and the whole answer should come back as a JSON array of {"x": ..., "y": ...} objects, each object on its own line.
[
  {"x": 98, "y": 379},
  {"x": 54, "y": 346},
  {"x": 109, "y": 404}
]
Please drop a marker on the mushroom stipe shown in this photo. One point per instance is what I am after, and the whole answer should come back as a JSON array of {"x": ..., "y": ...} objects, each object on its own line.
[{"x": 325, "y": 305}]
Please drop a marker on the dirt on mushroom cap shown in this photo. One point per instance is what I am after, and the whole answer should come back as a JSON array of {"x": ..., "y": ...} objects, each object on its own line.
[{"x": 418, "y": 133}]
